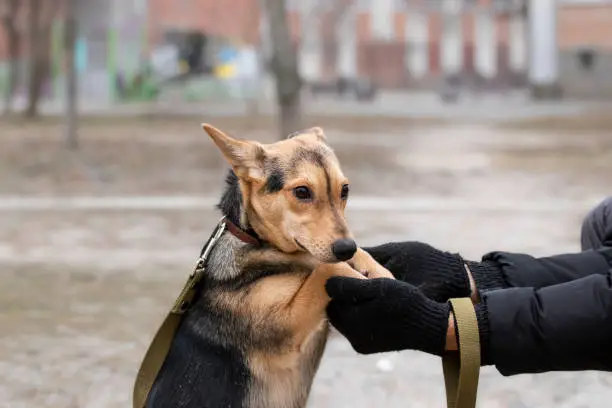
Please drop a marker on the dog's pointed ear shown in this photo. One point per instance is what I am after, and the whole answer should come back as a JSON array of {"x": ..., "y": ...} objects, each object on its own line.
[
  {"x": 319, "y": 134},
  {"x": 316, "y": 131},
  {"x": 246, "y": 157}
]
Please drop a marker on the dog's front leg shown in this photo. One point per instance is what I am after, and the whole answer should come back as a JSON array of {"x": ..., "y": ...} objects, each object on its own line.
[
  {"x": 309, "y": 303},
  {"x": 364, "y": 263}
]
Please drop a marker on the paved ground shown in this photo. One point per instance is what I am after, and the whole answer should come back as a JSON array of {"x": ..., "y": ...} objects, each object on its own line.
[
  {"x": 86, "y": 280},
  {"x": 514, "y": 105}
]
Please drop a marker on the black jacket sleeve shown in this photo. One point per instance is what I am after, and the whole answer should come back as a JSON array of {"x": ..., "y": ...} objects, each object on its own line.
[
  {"x": 520, "y": 270},
  {"x": 564, "y": 327}
]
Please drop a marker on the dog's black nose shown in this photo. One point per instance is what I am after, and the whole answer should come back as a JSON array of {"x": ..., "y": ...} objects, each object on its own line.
[{"x": 344, "y": 249}]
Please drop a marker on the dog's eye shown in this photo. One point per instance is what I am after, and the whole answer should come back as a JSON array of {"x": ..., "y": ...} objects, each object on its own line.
[
  {"x": 302, "y": 193},
  {"x": 344, "y": 192}
]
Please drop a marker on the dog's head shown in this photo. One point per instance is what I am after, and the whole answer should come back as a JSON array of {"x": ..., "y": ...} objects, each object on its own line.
[{"x": 293, "y": 192}]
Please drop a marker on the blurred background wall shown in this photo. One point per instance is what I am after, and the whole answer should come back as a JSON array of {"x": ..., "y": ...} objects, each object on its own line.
[{"x": 135, "y": 49}]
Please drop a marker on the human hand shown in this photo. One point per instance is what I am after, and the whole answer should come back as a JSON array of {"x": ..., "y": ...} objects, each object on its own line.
[
  {"x": 438, "y": 274},
  {"x": 379, "y": 315}
]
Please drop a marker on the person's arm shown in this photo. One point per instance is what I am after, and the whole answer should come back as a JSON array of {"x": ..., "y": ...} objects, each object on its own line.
[
  {"x": 521, "y": 270},
  {"x": 442, "y": 275},
  {"x": 565, "y": 327},
  {"x": 597, "y": 226}
]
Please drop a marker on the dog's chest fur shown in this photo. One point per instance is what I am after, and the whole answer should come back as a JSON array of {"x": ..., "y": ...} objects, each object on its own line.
[
  {"x": 287, "y": 381},
  {"x": 228, "y": 356}
]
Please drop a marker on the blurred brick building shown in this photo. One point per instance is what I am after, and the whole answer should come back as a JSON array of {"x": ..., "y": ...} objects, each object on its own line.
[
  {"x": 404, "y": 43},
  {"x": 399, "y": 43},
  {"x": 235, "y": 19},
  {"x": 585, "y": 28}
]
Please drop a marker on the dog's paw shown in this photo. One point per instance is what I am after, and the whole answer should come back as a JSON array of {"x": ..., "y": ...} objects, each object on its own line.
[
  {"x": 367, "y": 266},
  {"x": 338, "y": 269}
]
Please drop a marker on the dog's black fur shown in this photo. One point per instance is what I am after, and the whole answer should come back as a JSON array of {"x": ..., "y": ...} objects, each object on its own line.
[
  {"x": 207, "y": 363},
  {"x": 256, "y": 332},
  {"x": 231, "y": 200},
  {"x": 222, "y": 365}
]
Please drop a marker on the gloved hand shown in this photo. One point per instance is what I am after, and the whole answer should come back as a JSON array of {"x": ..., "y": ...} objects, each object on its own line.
[
  {"x": 439, "y": 275},
  {"x": 379, "y": 315}
]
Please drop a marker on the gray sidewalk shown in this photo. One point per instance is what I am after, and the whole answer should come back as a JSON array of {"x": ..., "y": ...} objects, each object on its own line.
[{"x": 514, "y": 105}]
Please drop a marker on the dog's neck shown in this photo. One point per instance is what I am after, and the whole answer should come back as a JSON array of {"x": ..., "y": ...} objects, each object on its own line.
[{"x": 231, "y": 205}]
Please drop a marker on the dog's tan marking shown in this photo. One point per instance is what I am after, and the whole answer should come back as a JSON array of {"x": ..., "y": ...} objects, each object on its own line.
[
  {"x": 291, "y": 305},
  {"x": 298, "y": 306},
  {"x": 279, "y": 218},
  {"x": 245, "y": 157}
]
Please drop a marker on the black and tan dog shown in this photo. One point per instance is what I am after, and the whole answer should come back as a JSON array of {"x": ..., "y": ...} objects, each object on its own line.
[{"x": 255, "y": 335}]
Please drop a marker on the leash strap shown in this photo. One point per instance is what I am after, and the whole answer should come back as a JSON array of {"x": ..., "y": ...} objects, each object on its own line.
[
  {"x": 461, "y": 370},
  {"x": 160, "y": 346}
]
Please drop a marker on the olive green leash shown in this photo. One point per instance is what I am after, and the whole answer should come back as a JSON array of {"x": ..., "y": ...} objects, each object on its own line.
[
  {"x": 461, "y": 370},
  {"x": 160, "y": 346}
]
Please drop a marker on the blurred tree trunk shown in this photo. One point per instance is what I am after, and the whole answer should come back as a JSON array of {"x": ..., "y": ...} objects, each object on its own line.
[
  {"x": 39, "y": 31},
  {"x": 285, "y": 68},
  {"x": 70, "y": 37},
  {"x": 34, "y": 74},
  {"x": 9, "y": 13}
]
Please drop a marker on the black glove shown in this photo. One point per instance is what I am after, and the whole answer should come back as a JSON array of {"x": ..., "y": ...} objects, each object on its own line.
[
  {"x": 439, "y": 275},
  {"x": 379, "y": 315}
]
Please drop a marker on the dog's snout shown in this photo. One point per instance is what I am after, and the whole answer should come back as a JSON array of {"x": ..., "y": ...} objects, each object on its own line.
[{"x": 344, "y": 249}]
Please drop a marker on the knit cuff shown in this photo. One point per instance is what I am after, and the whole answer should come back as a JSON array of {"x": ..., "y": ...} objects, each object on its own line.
[
  {"x": 482, "y": 316},
  {"x": 434, "y": 327},
  {"x": 487, "y": 275}
]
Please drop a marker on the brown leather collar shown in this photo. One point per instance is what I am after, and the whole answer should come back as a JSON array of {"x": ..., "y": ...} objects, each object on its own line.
[{"x": 241, "y": 234}]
